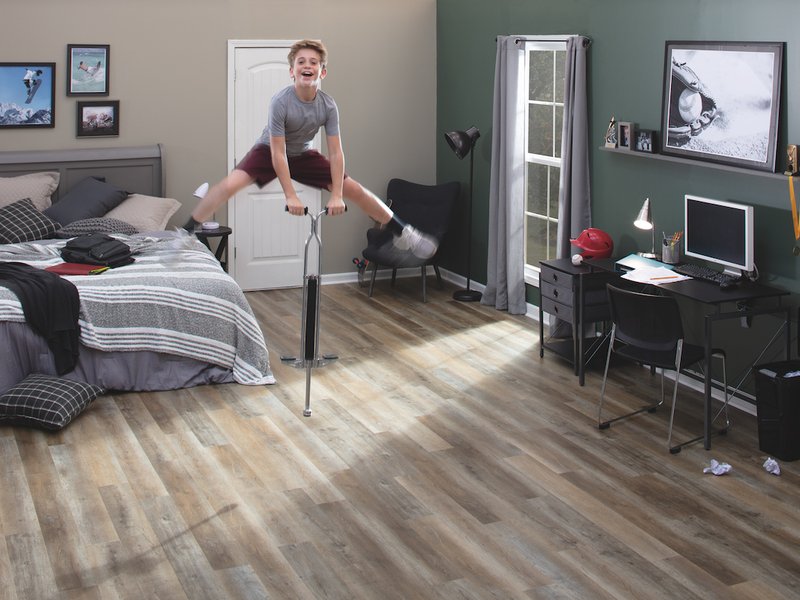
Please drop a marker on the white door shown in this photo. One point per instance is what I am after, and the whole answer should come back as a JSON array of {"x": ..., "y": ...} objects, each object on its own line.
[{"x": 267, "y": 242}]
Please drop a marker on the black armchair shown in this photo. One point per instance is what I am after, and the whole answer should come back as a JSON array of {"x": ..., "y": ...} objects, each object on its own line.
[{"x": 429, "y": 208}]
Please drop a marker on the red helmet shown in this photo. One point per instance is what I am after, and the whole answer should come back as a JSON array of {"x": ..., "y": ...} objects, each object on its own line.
[{"x": 595, "y": 243}]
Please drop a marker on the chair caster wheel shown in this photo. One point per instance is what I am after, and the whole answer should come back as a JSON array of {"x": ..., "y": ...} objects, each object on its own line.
[
  {"x": 652, "y": 410},
  {"x": 605, "y": 425},
  {"x": 307, "y": 412},
  {"x": 675, "y": 450}
]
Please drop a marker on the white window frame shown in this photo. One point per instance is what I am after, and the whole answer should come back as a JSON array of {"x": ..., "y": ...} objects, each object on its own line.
[{"x": 550, "y": 42}]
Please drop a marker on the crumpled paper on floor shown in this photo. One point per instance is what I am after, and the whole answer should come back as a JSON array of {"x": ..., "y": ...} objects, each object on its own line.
[
  {"x": 717, "y": 468},
  {"x": 772, "y": 466}
]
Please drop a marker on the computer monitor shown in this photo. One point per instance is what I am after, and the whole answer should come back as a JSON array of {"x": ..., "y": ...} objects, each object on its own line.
[{"x": 720, "y": 232}]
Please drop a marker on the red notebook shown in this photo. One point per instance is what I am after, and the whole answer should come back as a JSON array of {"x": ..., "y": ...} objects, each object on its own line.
[{"x": 68, "y": 268}]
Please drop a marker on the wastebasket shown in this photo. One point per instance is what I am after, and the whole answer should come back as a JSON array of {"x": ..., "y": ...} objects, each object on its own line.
[{"x": 778, "y": 408}]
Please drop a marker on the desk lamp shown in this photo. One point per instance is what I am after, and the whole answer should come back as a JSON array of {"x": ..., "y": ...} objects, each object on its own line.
[
  {"x": 463, "y": 143},
  {"x": 201, "y": 191},
  {"x": 645, "y": 221}
]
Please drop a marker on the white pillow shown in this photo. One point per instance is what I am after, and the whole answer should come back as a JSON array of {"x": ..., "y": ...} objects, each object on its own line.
[
  {"x": 145, "y": 213},
  {"x": 36, "y": 186}
]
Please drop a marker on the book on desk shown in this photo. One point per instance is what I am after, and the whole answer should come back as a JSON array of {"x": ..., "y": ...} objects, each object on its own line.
[{"x": 634, "y": 261}]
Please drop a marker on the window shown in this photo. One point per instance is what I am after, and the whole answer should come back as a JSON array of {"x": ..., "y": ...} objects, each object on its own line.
[{"x": 544, "y": 114}]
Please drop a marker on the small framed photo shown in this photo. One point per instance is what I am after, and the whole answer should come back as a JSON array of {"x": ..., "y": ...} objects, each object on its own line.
[
  {"x": 27, "y": 95},
  {"x": 645, "y": 140},
  {"x": 88, "y": 69},
  {"x": 97, "y": 118},
  {"x": 625, "y": 135}
]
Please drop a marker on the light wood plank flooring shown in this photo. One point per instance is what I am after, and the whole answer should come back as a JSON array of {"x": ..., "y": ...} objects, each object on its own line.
[{"x": 444, "y": 459}]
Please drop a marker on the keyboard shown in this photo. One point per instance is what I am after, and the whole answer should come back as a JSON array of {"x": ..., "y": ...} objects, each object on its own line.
[{"x": 705, "y": 273}]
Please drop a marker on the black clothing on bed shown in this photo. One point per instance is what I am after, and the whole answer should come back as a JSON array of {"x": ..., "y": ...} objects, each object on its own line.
[{"x": 51, "y": 306}]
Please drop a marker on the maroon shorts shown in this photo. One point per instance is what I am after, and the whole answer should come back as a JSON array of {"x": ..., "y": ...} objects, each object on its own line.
[{"x": 310, "y": 168}]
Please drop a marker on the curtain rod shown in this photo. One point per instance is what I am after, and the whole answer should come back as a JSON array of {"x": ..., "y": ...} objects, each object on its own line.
[{"x": 587, "y": 41}]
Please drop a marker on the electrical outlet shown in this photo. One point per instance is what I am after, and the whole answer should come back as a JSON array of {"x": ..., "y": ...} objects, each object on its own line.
[{"x": 791, "y": 159}]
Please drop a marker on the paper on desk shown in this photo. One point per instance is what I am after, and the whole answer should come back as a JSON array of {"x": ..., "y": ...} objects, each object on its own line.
[{"x": 654, "y": 275}]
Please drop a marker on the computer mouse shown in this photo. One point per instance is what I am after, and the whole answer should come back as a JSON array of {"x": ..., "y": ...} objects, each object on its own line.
[{"x": 728, "y": 285}]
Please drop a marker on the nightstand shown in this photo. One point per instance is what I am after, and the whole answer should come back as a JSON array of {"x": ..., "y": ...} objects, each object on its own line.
[
  {"x": 204, "y": 235},
  {"x": 576, "y": 295}
]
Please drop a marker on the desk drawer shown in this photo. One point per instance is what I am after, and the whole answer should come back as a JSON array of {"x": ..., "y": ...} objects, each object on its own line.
[
  {"x": 564, "y": 295},
  {"x": 557, "y": 309},
  {"x": 555, "y": 277},
  {"x": 591, "y": 314}
]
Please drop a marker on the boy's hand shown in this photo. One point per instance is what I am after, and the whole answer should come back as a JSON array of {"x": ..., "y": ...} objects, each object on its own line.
[
  {"x": 294, "y": 206},
  {"x": 335, "y": 206}
]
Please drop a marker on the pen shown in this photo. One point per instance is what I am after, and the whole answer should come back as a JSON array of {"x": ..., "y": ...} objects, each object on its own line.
[{"x": 664, "y": 277}]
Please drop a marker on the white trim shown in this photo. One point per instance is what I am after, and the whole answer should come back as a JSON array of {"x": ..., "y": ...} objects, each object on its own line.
[{"x": 529, "y": 44}]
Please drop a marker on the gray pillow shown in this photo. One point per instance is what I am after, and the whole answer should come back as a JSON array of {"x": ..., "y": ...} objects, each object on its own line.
[
  {"x": 21, "y": 222},
  {"x": 89, "y": 198},
  {"x": 96, "y": 225},
  {"x": 36, "y": 186},
  {"x": 46, "y": 402}
]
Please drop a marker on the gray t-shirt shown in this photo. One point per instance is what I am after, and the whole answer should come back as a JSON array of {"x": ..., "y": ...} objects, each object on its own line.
[{"x": 299, "y": 121}]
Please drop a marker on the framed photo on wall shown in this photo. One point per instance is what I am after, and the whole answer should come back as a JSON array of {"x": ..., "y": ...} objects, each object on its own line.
[
  {"x": 625, "y": 135},
  {"x": 88, "y": 69},
  {"x": 720, "y": 102},
  {"x": 644, "y": 140},
  {"x": 97, "y": 118},
  {"x": 27, "y": 95}
]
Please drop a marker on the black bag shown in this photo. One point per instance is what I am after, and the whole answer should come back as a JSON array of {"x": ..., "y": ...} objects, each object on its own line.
[{"x": 97, "y": 249}]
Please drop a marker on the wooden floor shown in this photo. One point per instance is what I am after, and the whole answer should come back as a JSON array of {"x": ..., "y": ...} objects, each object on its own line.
[{"x": 444, "y": 459}]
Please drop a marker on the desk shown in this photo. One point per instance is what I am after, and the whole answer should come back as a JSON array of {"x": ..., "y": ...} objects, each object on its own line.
[
  {"x": 711, "y": 295},
  {"x": 222, "y": 246}
]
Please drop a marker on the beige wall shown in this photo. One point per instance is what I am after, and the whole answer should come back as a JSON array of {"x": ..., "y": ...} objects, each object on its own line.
[{"x": 168, "y": 69}]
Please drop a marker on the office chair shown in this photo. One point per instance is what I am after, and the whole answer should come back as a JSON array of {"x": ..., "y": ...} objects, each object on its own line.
[
  {"x": 647, "y": 329},
  {"x": 429, "y": 208}
]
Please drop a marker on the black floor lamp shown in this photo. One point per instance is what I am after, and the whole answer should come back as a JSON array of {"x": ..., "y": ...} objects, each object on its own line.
[{"x": 463, "y": 143}]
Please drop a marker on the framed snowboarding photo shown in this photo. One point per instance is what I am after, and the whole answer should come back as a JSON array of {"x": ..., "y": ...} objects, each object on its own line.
[
  {"x": 27, "y": 95},
  {"x": 87, "y": 69}
]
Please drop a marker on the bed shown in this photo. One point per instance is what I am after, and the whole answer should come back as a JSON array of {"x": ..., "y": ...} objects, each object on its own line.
[{"x": 170, "y": 320}]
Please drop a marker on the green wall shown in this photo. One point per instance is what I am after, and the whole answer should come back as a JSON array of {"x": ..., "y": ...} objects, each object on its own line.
[{"x": 625, "y": 70}]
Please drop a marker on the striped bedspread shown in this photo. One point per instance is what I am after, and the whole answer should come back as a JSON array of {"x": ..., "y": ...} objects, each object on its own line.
[{"x": 174, "y": 299}]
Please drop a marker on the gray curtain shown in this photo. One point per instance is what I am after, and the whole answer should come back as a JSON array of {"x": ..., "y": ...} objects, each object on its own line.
[
  {"x": 505, "y": 285},
  {"x": 574, "y": 199}
]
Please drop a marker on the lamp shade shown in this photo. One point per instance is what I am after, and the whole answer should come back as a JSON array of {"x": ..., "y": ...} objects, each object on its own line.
[
  {"x": 201, "y": 191},
  {"x": 644, "y": 220},
  {"x": 462, "y": 141}
]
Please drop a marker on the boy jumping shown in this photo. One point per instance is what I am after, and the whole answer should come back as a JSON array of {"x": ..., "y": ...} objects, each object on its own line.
[{"x": 296, "y": 114}]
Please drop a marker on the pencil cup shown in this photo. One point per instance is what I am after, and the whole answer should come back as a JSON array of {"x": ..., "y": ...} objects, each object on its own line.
[{"x": 671, "y": 253}]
